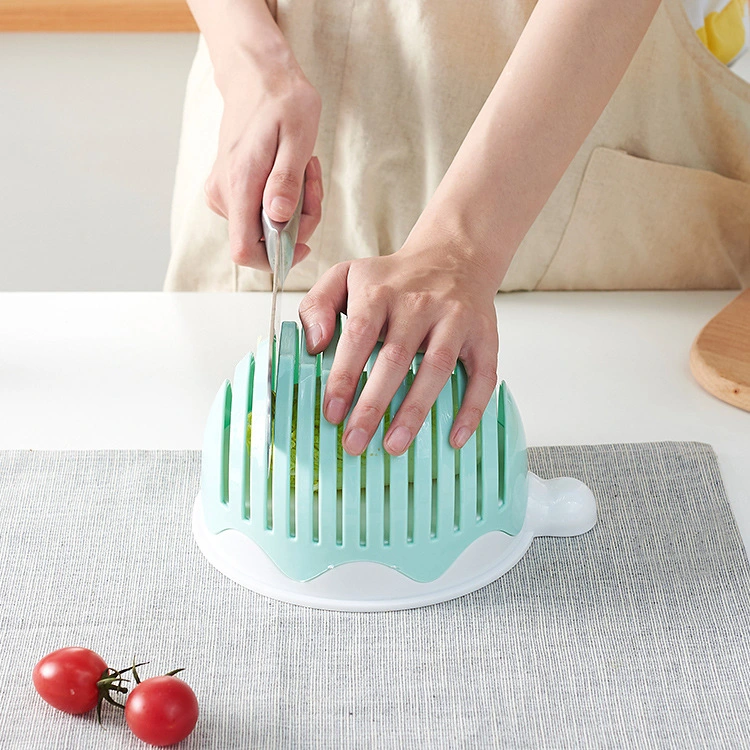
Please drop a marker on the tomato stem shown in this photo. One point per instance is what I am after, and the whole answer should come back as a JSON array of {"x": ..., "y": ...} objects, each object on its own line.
[
  {"x": 112, "y": 680},
  {"x": 135, "y": 671}
]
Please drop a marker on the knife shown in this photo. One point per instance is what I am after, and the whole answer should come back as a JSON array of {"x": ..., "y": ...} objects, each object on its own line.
[{"x": 280, "y": 239}]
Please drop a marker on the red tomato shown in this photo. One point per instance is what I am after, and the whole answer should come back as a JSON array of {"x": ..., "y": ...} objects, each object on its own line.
[
  {"x": 67, "y": 679},
  {"x": 161, "y": 710}
]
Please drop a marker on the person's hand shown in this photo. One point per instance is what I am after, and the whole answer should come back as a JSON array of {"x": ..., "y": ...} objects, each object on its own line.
[
  {"x": 429, "y": 296},
  {"x": 266, "y": 140}
]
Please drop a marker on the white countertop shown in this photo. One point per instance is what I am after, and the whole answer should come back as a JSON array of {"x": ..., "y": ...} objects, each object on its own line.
[{"x": 139, "y": 370}]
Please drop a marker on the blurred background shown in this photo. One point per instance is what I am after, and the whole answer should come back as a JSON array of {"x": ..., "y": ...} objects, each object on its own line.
[
  {"x": 90, "y": 106},
  {"x": 89, "y": 129}
]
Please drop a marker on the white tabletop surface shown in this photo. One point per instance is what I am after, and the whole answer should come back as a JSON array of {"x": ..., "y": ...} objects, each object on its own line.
[{"x": 139, "y": 370}]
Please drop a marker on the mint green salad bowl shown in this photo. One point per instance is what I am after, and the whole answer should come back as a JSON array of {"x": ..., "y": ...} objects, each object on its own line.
[{"x": 325, "y": 529}]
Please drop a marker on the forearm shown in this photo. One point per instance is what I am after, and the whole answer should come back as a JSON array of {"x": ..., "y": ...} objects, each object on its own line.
[
  {"x": 563, "y": 71},
  {"x": 241, "y": 35}
]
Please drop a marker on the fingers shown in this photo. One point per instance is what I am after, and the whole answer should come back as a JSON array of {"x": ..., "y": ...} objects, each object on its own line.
[
  {"x": 242, "y": 193},
  {"x": 320, "y": 308},
  {"x": 249, "y": 251},
  {"x": 388, "y": 372},
  {"x": 214, "y": 195},
  {"x": 284, "y": 184},
  {"x": 301, "y": 251},
  {"x": 434, "y": 372},
  {"x": 481, "y": 368},
  {"x": 245, "y": 232},
  {"x": 312, "y": 205},
  {"x": 436, "y": 368},
  {"x": 313, "y": 188},
  {"x": 358, "y": 339}
]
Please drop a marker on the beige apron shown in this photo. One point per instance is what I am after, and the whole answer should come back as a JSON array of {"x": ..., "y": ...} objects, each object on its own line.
[{"x": 658, "y": 197}]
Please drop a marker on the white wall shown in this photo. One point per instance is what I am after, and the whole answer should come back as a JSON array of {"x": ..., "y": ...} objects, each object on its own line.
[{"x": 89, "y": 127}]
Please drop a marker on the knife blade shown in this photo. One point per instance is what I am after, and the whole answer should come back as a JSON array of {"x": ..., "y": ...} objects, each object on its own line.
[{"x": 280, "y": 239}]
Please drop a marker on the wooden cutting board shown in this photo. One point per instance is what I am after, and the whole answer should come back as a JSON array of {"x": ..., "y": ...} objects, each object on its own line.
[{"x": 720, "y": 357}]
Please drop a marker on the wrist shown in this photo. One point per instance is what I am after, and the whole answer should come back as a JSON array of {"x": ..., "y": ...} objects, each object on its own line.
[
  {"x": 243, "y": 40},
  {"x": 451, "y": 228},
  {"x": 264, "y": 57}
]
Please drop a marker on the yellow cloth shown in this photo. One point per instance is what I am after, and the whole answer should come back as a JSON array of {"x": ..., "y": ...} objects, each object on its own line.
[{"x": 722, "y": 25}]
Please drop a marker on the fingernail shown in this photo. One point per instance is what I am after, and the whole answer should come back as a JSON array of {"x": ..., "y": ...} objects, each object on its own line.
[
  {"x": 336, "y": 410},
  {"x": 356, "y": 441},
  {"x": 461, "y": 437},
  {"x": 314, "y": 335},
  {"x": 399, "y": 439},
  {"x": 282, "y": 206}
]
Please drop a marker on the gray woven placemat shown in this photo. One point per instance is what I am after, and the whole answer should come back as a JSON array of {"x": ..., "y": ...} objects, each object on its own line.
[{"x": 635, "y": 635}]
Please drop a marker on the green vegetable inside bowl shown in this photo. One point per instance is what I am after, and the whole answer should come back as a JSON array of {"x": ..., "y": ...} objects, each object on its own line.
[{"x": 339, "y": 452}]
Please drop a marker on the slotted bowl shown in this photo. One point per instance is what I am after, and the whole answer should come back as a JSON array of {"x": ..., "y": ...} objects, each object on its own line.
[{"x": 325, "y": 529}]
